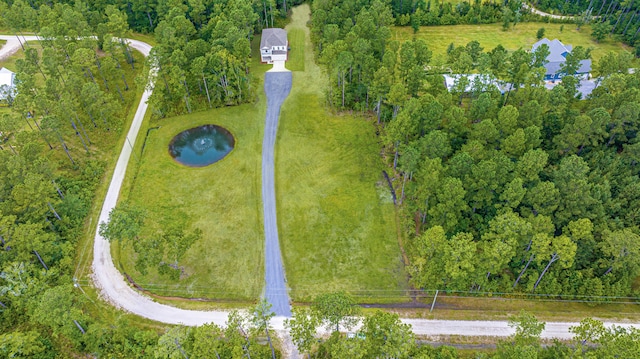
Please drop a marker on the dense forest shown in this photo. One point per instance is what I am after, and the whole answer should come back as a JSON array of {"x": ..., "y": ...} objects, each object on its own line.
[
  {"x": 383, "y": 335},
  {"x": 531, "y": 190},
  {"x": 427, "y": 13},
  {"x": 202, "y": 48}
]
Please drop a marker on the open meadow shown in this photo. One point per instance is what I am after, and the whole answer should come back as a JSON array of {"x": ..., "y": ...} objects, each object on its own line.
[
  {"x": 335, "y": 216},
  {"x": 221, "y": 199},
  {"x": 336, "y": 220},
  {"x": 523, "y": 35}
]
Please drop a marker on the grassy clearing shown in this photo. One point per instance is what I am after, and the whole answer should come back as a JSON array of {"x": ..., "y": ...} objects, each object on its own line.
[
  {"x": 223, "y": 200},
  {"x": 337, "y": 231},
  {"x": 296, "y": 55},
  {"x": 523, "y": 35}
]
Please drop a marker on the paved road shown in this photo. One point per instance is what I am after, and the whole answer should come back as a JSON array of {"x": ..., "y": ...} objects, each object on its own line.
[
  {"x": 115, "y": 289},
  {"x": 277, "y": 86}
]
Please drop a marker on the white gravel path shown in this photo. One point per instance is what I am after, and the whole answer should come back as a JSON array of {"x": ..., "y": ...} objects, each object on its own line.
[
  {"x": 545, "y": 14},
  {"x": 10, "y": 47}
]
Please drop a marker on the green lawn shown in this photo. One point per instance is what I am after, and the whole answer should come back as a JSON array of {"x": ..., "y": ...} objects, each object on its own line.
[
  {"x": 523, "y": 35},
  {"x": 297, "y": 45},
  {"x": 223, "y": 200},
  {"x": 336, "y": 225}
]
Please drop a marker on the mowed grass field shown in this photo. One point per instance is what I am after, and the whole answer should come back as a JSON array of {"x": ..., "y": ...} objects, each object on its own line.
[
  {"x": 337, "y": 227},
  {"x": 297, "y": 44},
  {"x": 223, "y": 200},
  {"x": 489, "y": 36},
  {"x": 337, "y": 230}
]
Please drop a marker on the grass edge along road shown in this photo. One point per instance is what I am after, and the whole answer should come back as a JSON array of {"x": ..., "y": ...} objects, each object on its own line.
[{"x": 336, "y": 227}]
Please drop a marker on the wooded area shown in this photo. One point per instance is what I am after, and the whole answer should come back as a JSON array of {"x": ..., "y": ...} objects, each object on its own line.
[
  {"x": 383, "y": 335},
  {"x": 527, "y": 190}
]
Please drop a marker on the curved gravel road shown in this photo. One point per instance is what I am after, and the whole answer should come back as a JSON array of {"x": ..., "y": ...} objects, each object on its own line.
[
  {"x": 114, "y": 288},
  {"x": 12, "y": 45},
  {"x": 112, "y": 284},
  {"x": 277, "y": 85},
  {"x": 545, "y": 14}
]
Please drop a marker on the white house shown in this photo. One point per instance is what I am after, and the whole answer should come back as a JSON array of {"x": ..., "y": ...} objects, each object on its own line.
[
  {"x": 7, "y": 84},
  {"x": 475, "y": 82},
  {"x": 273, "y": 45}
]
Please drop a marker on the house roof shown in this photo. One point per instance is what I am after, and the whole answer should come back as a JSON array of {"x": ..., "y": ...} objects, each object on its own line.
[
  {"x": 585, "y": 66},
  {"x": 6, "y": 77},
  {"x": 557, "y": 50},
  {"x": 273, "y": 37},
  {"x": 486, "y": 82},
  {"x": 557, "y": 56},
  {"x": 553, "y": 68},
  {"x": 7, "y": 85}
]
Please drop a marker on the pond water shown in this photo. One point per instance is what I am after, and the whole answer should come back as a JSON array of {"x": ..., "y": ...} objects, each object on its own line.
[{"x": 201, "y": 146}]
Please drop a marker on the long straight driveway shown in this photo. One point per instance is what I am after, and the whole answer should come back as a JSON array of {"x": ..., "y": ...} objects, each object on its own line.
[{"x": 277, "y": 85}]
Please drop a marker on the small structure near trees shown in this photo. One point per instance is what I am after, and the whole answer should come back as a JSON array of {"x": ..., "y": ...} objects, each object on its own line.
[
  {"x": 7, "y": 85},
  {"x": 469, "y": 83},
  {"x": 273, "y": 45}
]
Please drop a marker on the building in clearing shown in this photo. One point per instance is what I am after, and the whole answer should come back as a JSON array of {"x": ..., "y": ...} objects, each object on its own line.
[
  {"x": 474, "y": 82},
  {"x": 7, "y": 84},
  {"x": 557, "y": 56},
  {"x": 273, "y": 45}
]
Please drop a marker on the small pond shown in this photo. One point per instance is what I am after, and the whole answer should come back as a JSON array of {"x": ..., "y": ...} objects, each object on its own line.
[{"x": 201, "y": 146}]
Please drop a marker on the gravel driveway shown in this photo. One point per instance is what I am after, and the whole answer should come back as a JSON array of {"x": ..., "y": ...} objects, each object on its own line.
[{"x": 277, "y": 86}]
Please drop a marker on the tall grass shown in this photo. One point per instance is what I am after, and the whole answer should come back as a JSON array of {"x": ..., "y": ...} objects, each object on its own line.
[{"x": 337, "y": 227}]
